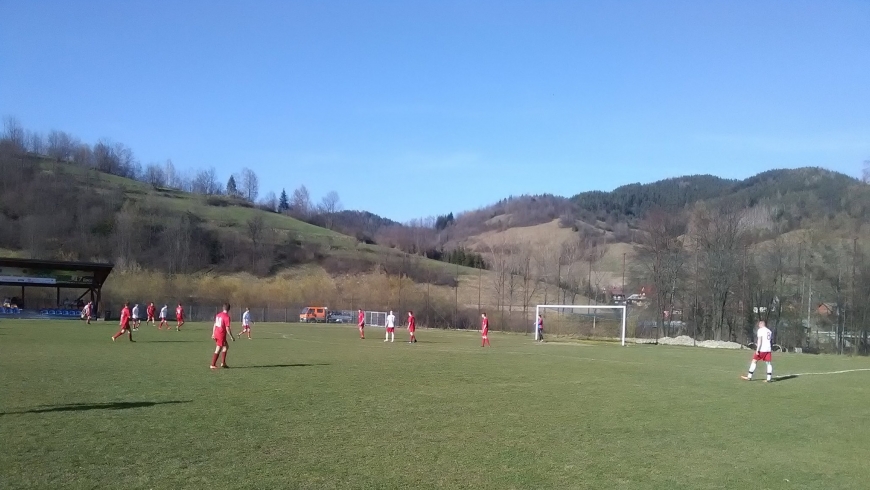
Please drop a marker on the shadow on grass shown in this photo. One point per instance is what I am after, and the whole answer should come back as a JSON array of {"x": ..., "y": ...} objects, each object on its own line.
[
  {"x": 281, "y": 365},
  {"x": 785, "y": 378},
  {"x": 166, "y": 341},
  {"x": 82, "y": 407}
]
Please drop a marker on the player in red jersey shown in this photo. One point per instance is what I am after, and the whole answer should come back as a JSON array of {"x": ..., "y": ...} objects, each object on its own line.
[
  {"x": 179, "y": 317},
  {"x": 125, "y": 323},
  {"x": 484, "y": 331},
  {"x": 219, "y": 335},
  {"x": 361, "y": 323},
  {"x": 150, "y": 312},
  {"x": 412, "y": 327}
]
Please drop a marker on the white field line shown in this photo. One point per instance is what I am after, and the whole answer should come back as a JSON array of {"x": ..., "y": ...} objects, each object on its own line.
[
  {"x": 591, "y": 359},
  {"x": 829, "y": 372}
]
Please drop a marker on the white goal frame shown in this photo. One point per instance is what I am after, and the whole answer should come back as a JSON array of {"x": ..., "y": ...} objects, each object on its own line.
[{"x": 539, "y": 308}]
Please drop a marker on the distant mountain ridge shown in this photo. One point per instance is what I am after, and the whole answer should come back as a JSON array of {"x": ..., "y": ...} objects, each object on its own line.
[{"x": 796, "y": 198}]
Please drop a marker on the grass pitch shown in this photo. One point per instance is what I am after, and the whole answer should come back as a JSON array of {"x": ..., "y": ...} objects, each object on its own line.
[{"x": 315, "y": 407}]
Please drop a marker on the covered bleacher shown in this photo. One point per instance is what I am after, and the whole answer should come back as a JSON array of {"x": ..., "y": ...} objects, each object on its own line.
[{"x": 85, "y": 278}]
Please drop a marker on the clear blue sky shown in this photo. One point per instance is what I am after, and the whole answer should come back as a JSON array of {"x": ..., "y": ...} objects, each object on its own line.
[{"x": 410, "y": 109}]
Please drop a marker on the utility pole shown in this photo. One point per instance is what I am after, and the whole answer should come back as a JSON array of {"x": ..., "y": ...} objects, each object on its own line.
[
  {"x": 479, "y": 274},
  {"x": 623, "y": 273},
  {"x": 456, "y": 296}
]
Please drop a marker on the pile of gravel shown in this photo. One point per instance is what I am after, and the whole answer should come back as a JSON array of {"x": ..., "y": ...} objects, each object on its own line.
[{"x": 685, "y": 340}]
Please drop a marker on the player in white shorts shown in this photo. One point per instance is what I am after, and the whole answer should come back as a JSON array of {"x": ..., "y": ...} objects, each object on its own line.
[
  {"x": 391, "y": 328},
  {"x": 135, "y": 318},
  {"x": 763, "y": 349},
  {"x": 246, "y": 322}
]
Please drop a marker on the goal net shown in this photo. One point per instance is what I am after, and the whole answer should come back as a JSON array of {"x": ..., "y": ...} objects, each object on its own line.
[
  {"x": 598, "y": 322},
  {"x": 375, "y": 318}
]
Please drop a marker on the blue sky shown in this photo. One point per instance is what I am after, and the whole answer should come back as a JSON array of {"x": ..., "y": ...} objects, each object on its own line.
[{"x": 410, "y": 109}]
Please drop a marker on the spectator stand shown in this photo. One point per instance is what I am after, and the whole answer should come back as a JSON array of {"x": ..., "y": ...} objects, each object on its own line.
[{"x": 87, "y": 278}]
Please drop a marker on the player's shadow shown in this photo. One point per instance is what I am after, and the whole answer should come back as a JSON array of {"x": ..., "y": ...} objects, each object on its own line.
[
  {"x": 83, "y": 407},
  {"x": 166, "y": 341},
  {"x": 281, "y": 365},
  {"x": 784, "y": 378}
]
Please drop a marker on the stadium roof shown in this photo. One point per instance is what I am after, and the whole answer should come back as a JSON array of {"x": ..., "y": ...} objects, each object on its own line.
[{"x": 53, "y": 273}]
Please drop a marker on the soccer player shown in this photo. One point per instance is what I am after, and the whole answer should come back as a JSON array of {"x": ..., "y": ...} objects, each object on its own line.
[
  {"x": 164, "y": 312},
  {"x": 219, "y": 335},
  {"x": 412, "y": 327},
  {"x": 762, "y": 352},
  {"x": 361, "y": 323},
  {"x": 179, "y": 317},
  {"x": 150, "y": 312},
  {"x": 484, "y": 331},
  {"x": 391, "y": 328},
  {"x": 539, "y": 324},
  {"x": 246, "y": 322},
  {"x": 136, "y": 318},
  {"x": 125, "y": 323},
  {"x": 87, "y": 311}
]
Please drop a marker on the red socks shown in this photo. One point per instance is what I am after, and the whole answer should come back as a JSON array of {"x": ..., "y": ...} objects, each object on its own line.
[
  {"x": 224, "y": 360},
  {"x": 214, "y": 359}
]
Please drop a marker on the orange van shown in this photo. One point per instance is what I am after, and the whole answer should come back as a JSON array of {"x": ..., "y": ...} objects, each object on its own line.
[{"x": 313, "y": 314}]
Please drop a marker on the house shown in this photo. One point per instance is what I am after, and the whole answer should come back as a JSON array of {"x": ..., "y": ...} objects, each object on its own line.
[{"x": 826, "y": 309}]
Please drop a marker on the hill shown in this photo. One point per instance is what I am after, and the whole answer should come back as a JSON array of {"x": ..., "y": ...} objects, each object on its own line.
[
  {"x": 793, "y": 199},
  {"x": 198, "y": 247}
]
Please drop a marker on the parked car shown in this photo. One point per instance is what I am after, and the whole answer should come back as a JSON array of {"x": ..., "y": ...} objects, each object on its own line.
[{"x": 340, "y": 316}]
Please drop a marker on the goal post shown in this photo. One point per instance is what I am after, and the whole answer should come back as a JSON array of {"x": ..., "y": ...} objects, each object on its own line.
[
  {"x": 375, "y": 318},
  {"x": 583, "y": 321}
]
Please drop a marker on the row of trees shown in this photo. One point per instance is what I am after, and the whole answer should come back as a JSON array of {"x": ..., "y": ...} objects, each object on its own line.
[
  {"x": 565, "y": 274},
  {"x": 707, "y": 269},
  {"x": 118, "y": 159}
]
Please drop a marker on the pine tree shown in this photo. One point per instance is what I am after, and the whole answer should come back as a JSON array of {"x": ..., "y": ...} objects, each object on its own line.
[
  {"x": 232, "y": 190},
  {"x": 283, "y": 202}
]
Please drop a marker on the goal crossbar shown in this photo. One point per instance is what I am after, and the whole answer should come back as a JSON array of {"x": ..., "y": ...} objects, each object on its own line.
[{"x": 540, "y": 308}]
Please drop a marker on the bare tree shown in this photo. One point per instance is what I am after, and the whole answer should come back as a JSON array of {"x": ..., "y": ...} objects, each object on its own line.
[
  {"x": 662, "y": 257},
  {"x": 866, "y": 174},
  {"x": 500, "y": 265},
  {"x": 13, "y": 134},
  {"x": 270, "y": 202},
  {"x": 718, "y": 240},
  {"x": 329, "y": 205},
  {"x": 250, "y": 185},
  {"x": 173, "y": 180},
  {"x": 155, "y": 175},
  {"x": 525, "y": 261},
  {"x": 60, "y": 146},
  {"x": 255, "y": 227},
  {"x": 206, "y": 182},
  {"x": 300, "y": 203},
  {"x": 35, "y": 143}
]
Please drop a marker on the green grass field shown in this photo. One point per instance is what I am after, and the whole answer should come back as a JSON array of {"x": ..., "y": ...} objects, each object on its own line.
[{"x": 315, "y": 407}]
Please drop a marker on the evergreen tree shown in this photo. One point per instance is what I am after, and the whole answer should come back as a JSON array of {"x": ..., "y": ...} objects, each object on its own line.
[
  {"x": 232, "y": 190},
  {"x": 283, "y": 202}
]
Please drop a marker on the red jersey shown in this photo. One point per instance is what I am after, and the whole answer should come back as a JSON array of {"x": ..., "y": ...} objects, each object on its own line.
[
  {"x": 150, "y": 311},
  {"x": 221, "y": 325},
  {"x": 484, "y": 324},
  {"x": 179, "y": 312},
  {"x": 412, "y": 322},
  {"x": 125, "y": 315},
  {"x": 362, "y": 319}
]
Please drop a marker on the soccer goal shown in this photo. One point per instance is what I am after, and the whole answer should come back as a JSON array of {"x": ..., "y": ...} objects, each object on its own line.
[
  {"x": 375, "y": 318},
  {"x": 604, "y": 322}
]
